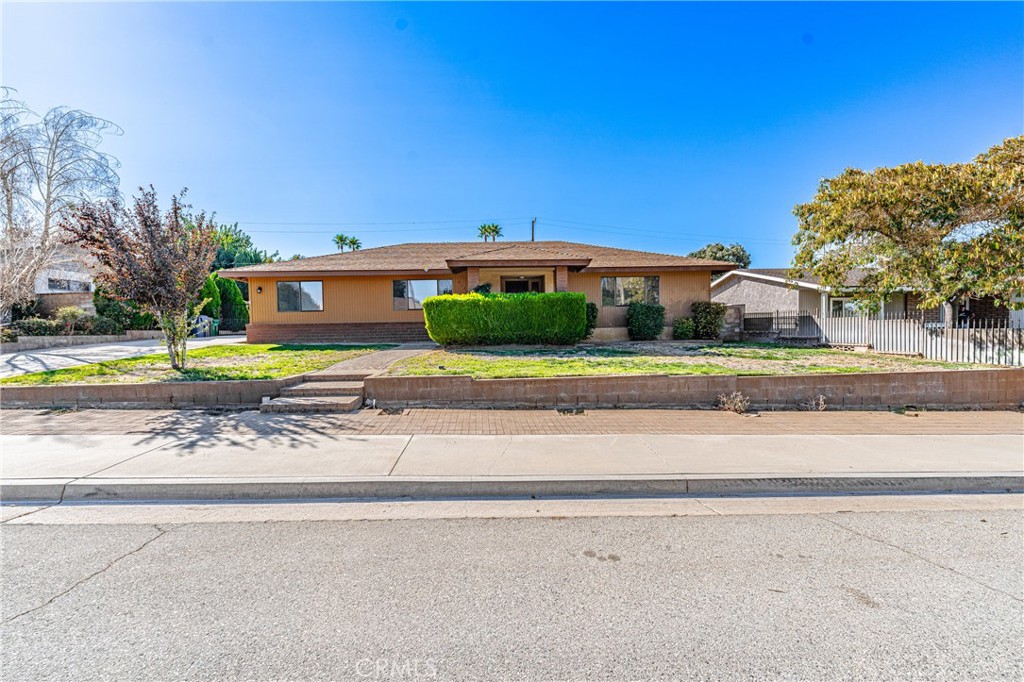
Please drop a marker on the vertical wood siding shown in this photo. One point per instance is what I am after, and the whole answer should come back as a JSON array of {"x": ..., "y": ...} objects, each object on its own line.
[
  {"x": 678, "y": 291},
  {"x": 368, "y": 299}
]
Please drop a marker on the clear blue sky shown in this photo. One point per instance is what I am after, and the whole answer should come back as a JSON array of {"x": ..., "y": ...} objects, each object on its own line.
[{"x": 653, "y": 126}]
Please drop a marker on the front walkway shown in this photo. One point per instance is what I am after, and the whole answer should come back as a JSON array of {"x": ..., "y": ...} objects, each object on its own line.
[{"x": 43, "y": 359}]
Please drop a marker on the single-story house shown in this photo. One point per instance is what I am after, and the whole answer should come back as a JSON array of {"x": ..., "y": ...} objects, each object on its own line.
[
  {"x": 378, "y": 293},
  {"x": 769, "y": 290},
  {"x": 67, "y": 281}
]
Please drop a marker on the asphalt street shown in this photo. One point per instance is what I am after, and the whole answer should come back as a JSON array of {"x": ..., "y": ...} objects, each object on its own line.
[{"x": 873, "y": 595}]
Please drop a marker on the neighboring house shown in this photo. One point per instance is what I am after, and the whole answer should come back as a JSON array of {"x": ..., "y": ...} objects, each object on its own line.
[
  {"x": 764, "y": 290},
  {"x": 68, "y": 282},
  {"x": 378, "y": 293}
]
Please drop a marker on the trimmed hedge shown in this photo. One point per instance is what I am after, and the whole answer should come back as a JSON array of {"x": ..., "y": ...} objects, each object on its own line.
[
  {"x": 645, "y": 321},
  {"x": 708, "y": 319},
  {"x": 592, "y": 312},
  {"x": 557, "y": 318},
  {"x": 683, "y": 329}
]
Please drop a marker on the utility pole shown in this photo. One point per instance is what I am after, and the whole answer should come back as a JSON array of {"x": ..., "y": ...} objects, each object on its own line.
[{"x": 533, "y": 230}]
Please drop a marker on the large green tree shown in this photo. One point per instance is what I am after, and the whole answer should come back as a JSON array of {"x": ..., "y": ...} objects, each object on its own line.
[
  {"x": 236, "y": 249},
  {"x": 942, "y": 230},
  {"x": 733, "y": 253}
]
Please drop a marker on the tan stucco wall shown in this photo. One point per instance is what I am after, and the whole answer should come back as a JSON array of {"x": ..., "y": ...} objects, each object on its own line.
[
  {"x": 368, "y": 299},
  {"x": 678, "y": 290}
]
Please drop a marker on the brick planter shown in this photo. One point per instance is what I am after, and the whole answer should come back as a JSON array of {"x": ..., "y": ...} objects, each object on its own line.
[
  {"x": 968, "y": 389},
  {"x": 169, "y": 395}
]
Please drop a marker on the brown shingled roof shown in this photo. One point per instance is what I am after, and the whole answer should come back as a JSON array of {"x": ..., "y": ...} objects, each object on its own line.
[
  {"x": 434, "y": 257},
  {"x": 853, "y": 278}
]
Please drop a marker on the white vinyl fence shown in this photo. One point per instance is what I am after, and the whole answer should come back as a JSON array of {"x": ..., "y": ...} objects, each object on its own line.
[{"x": 988, "y": 341}]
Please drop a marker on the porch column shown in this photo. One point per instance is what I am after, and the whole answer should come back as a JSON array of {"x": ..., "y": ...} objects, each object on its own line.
[
  {"x": 561, "y": 278},
  {"x": 472, "y": 279}
]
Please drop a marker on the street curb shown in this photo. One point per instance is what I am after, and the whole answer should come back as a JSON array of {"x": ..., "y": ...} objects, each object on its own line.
[{"x": 192, "y": 490}]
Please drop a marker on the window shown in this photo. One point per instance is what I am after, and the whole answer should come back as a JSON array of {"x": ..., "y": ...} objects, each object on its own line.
[
  {"x": 843, "y": 307},
  {"x": 408, "y": 294},
  {"x": 55, "y": 284},
  {"x": 300, "y": 296},
  {"x": 625, "y": 290}
]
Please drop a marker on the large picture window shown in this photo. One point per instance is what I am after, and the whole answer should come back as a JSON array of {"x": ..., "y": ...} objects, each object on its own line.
[
  {"x": 300, "y": 296},
  {"x": 408, "y": 294},
  {"x": 617, "y": 291}
]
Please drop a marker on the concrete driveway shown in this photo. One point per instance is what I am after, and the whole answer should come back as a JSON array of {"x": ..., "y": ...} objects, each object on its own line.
[{"x": 15, "y": 364}]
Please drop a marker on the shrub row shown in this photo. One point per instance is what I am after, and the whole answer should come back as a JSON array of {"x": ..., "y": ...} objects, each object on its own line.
[
  {"x": 86, "y": 325},
  {"x": 558, "y": 318}
]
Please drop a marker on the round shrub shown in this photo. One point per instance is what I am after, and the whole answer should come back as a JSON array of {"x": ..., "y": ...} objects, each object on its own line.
[
  {"x": 645, "y": 321},
  {"x": 592, "y": 311},
  {"x": 69, "y": 318},
  {"x": 683, "y": 329},
  {"x": 103, "y": 326},
  {"x": 124, "y": 313},
  {"x": 708, "y": 319},
  {"x": 37, "y": 326}
]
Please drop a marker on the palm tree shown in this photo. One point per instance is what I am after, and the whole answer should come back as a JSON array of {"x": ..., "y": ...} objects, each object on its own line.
[
  {"x": 491, "y": 230},
  {"x": 341, "y": 241},
  {"x": 353, "y": 244}
]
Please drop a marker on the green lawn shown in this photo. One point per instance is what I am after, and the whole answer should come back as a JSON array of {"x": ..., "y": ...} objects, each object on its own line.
[
  {"x": 736, "y": 359},
  {"x": 213, "y": 363}
]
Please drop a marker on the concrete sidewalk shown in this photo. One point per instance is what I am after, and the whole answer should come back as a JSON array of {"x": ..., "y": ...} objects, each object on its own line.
[{"x": 316, "y": 466}]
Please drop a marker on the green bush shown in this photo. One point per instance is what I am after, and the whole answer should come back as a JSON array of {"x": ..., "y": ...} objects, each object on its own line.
[
  {"x": 683, "y": 328},
  {"x": 70, "y": 318},
  {"x": 234, "y": 315},
  {"x": 124, "y": 313},
  {"x": 592, "y": 311},
  {"x": 211, "y": 294},
  {"x": 645, "y": 321},
  {"x": 23, "y": 309},
  {"x": 103, "y": 326},
  {"x": 37, "y": 326},
  {"x": 558, "y": 318},
  {"x": 708, "y": 318},
  {"x": 8, "y": 335},
  {"x": 484, "y": 288}
]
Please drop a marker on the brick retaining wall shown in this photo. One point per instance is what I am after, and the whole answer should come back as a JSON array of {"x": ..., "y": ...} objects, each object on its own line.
[
  {"x": 168, "y": 395},
  {"x": 360, "y": 332},
  {"x": 967, "y": 389},
  {"x": 27, "y": 343}
]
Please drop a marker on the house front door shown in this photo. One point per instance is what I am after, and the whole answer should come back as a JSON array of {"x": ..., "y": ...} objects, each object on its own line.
[{"x": 522, "y": 285}]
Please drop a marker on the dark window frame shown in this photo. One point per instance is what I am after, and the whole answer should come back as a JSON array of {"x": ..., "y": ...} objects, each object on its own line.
[
  {"x": 646, "y": 286},
  {"x": 411, "y": 300},
  {"x": 300, "y": 309}
]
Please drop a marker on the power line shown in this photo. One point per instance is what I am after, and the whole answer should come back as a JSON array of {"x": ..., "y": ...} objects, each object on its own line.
[{"x": 572, "y": 225}]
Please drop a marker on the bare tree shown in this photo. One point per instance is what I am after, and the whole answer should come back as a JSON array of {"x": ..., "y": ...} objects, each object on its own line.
[
  {"x": 47, "y": 166},
  {"x": 159, "y": 261}
]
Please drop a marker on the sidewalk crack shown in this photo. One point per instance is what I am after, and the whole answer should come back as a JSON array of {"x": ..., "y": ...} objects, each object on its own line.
[
  {"x": 921, "y": 557},
  {"x": 161, "y": 532}
]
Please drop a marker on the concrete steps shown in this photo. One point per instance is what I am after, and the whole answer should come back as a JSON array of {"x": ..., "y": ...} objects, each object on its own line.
[
  {"x": 313, "y": 404},
  {"x": 325, "y": 388}
]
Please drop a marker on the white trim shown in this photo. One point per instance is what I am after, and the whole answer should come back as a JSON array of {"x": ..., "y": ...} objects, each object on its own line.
[{"x": 769, "y": 278}]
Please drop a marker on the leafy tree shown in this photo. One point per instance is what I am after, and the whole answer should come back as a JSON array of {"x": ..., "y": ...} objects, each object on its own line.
[
  {"x": 944, "y": 231},
  {"x": 489, "y": 231},
  {"x": 236, "y": 249},
  {"x": 156, "y": 260},
  {"x": 733, "y": 253},
  {"x": 234, "y": 315},
  {"x": 210, "y": 296},
  {"x": 353, "y": 244},
  {"x": 297, "y": 256}
]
